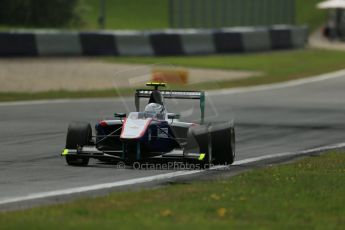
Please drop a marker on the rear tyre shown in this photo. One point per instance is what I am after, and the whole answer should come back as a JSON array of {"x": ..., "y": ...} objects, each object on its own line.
[{"x": 79, "y": 134}]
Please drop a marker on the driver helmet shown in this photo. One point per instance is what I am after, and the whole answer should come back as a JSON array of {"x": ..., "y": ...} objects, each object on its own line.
[{"x": 154, "y": 108}]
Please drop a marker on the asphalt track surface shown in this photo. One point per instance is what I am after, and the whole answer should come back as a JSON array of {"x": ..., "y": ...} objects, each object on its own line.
[{"x": 268, "y": 121}]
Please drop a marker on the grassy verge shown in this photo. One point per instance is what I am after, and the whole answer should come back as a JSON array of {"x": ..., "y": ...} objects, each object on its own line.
[
  {"x": 129, "y": 14},
  {"x": 153, "y": 14},
  {"x": 307, "y": 13},
  {"x": 61, "y": 94},
  {"x": 150, "y": 14},
  {"x": 308, "y": 194},
  {"x": 275, "y": 66}
]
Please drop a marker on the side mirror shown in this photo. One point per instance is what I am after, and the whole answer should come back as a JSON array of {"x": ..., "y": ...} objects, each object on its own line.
[
  {"x": 173, "y": 116},
  {"x": 120, "y": 115}
]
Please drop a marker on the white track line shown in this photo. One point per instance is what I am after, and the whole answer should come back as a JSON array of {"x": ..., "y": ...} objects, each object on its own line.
[
  {"x": 292, "y": 83},
  {"x": 159, "y": 177},
  {"x": 289, "y": 154},
  {"x": 323, "y": 77},
  {"x": 98, "y": 187}
]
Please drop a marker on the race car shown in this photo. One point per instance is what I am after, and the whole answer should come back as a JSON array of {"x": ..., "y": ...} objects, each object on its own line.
[{"x": 152, "y": 134}]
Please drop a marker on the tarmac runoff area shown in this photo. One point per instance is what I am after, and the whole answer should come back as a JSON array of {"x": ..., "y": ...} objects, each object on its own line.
[
  {"x": 73, "y": 74},
  {"x": 284, "y": 120}
]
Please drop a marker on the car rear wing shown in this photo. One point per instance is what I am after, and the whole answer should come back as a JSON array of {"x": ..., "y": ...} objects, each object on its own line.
[{"x": 173, "y": 94}]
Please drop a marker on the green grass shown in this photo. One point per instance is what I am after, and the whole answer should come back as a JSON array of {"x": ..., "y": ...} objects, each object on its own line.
[
  {"x": 120, "y": 14},
  {"x": 308, "y": 194},
  {"x": 307, "y": 13},
  {"x": 153, "y": 14},
  {"x": 62, "y": 94},
  {"x": 149, "y": 14},
  {"x": 130, "y": 14},
  {"x": 274, "y": 66}
]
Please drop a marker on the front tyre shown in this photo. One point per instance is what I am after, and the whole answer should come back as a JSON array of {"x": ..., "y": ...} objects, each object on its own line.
[
  {"x": 79, "y": 134},
  {"x": 223, "y": 144},
  {"x": 216, "y": 141}
]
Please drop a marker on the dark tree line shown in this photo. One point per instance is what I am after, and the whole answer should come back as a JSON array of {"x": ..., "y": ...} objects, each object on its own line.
[{"x": 43, "y": 13}]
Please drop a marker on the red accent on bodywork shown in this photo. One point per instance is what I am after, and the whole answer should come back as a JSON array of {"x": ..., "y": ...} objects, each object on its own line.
[
  {"x": 103, "y": 123},
  {"x": 123, "y": 126}
]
